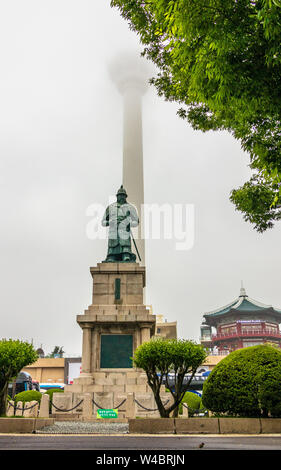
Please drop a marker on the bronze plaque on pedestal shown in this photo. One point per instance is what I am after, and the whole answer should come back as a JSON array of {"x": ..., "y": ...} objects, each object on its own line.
[{"x": 116, "y": 351}]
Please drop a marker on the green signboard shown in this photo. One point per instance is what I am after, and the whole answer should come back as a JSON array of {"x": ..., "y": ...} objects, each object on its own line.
[
  {"x": 107, "y": 413},
  {"x": 116, "y": 351}
]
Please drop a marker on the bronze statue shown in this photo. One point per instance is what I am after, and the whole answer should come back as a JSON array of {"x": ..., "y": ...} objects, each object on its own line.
[{"x": 120, "y": 217}]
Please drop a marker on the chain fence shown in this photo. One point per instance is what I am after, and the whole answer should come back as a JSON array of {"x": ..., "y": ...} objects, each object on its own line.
[
  {"x": 192, "y": 411},
  {"x": 70, "y": 409},
  {"x": 115, "y": 407},
  {"x": 149, "y": 409},
  {"x": 24, "y": 408},
  {"x": 196, "y": 412}
]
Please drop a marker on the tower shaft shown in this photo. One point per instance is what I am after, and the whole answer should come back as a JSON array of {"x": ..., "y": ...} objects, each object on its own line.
[{"x": 133, "y": 179}]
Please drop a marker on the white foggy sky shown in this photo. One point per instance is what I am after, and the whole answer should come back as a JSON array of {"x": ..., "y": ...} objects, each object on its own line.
[{"x": 61, "y": 151}]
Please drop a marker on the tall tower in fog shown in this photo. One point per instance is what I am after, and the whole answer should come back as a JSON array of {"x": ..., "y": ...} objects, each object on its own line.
[{"x": 131, "y": 74}]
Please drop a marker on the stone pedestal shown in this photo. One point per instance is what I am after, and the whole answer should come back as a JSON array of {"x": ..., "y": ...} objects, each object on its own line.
[{"x": 113, "y": 326}]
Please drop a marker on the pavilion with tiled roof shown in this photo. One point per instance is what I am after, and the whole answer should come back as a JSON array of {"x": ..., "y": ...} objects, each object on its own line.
[{"x": 241, "y": 323}]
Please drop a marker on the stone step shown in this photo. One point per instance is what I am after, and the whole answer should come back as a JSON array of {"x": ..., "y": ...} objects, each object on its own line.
[{"x": 66, "y": 416}]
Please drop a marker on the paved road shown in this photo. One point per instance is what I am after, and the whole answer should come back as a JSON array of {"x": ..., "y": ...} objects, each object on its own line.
[{"x": 126, "y": 442}]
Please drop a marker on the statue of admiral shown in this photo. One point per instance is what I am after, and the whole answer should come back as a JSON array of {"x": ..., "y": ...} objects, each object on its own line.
[{"x": 120, "y": 217}]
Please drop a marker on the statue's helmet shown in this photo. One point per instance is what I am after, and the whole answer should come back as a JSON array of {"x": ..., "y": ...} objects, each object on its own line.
[{"x": 121, "y": 190}]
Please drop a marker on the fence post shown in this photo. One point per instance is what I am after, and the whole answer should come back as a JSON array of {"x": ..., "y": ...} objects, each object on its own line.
[
  {"x": 44, "y": 410},
  {"x": 10, "y": 408},
  {"x": 130, "y": 406},
  {"x": 19, "y": 409},
  {"x": 184, "y": 411},
  {"x": 33, "y": 411},
  {"x": 26, "y": 412},
  {"x": 87, "y": 406}
]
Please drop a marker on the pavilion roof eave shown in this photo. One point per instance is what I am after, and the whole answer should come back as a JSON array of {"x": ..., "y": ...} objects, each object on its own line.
[
  {"x": 221, "y": 310},
  {"x": 243, "y": 302},
  {"x": 212, "y": 318}
]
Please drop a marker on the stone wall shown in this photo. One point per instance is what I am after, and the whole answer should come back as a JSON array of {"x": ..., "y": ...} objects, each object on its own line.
[{"x": 205, "y": 426}]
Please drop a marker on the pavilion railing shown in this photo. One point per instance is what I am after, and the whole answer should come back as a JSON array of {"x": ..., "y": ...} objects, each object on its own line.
[{"x": 247, "y": 333}]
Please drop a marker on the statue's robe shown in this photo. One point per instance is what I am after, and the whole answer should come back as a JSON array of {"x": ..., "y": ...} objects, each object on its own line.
[{"x": 119, "y": 237}]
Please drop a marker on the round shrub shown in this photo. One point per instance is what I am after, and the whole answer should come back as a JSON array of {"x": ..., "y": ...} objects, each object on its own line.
[
  {"x": 193, "y": 401},
  {"x": 28, "y": 395},
  {"x": 246, "y": 383}
]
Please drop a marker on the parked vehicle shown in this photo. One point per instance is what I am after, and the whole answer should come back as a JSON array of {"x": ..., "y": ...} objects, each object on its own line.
[
  {"x": 22, "y": 383},
  {"x": 48, "y": 386},
  {"x": 196, "y": 385},
  {"x": 35, "y": 385}
]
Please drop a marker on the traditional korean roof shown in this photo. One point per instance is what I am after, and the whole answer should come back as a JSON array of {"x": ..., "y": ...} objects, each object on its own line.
[{"x": 242, "y": 304}]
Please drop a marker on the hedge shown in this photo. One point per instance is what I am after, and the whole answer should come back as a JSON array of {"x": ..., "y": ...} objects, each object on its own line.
[
  {"x": 246, "y": 383},
  {"x": 28, "y": 395}
]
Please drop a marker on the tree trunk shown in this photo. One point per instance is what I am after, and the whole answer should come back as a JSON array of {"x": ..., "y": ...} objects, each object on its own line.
[
  {"x": 14, "y": 389},
  {"x": 3, "y": 398},
  {"x": 163, "y": 412},
  {"x": 156, "y": 392}
]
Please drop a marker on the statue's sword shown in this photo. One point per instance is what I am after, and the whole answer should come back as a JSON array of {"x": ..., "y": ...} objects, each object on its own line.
[
  {"x": 127, "y": 215},
  {"x": 135, "y": 244}
]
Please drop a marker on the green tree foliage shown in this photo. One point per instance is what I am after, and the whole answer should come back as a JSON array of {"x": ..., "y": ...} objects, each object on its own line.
[
  {"x": 28, "y": 395},
  {"x": 159, "y": 357},
  {"x": 14, "y": 355},
  {"x": 246, "y": 383},
  {"x": 221, "y": 60},
  {"x": 57, "y": 352}
]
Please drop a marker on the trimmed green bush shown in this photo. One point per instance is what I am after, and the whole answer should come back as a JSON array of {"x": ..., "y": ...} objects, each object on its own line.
[
  {"x": 246, "y": 383},
  {"x": 28, "y": 395},
  {"x": 193, "y": 401}
]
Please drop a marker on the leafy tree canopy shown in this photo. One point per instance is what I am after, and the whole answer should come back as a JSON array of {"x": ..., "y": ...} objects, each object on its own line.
[
  {"x": 159, "y": 357},
  {"x": 57, "y": 352},
  {"x": 14, "y": 356},
  {"x": 221, "y": 60}
]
